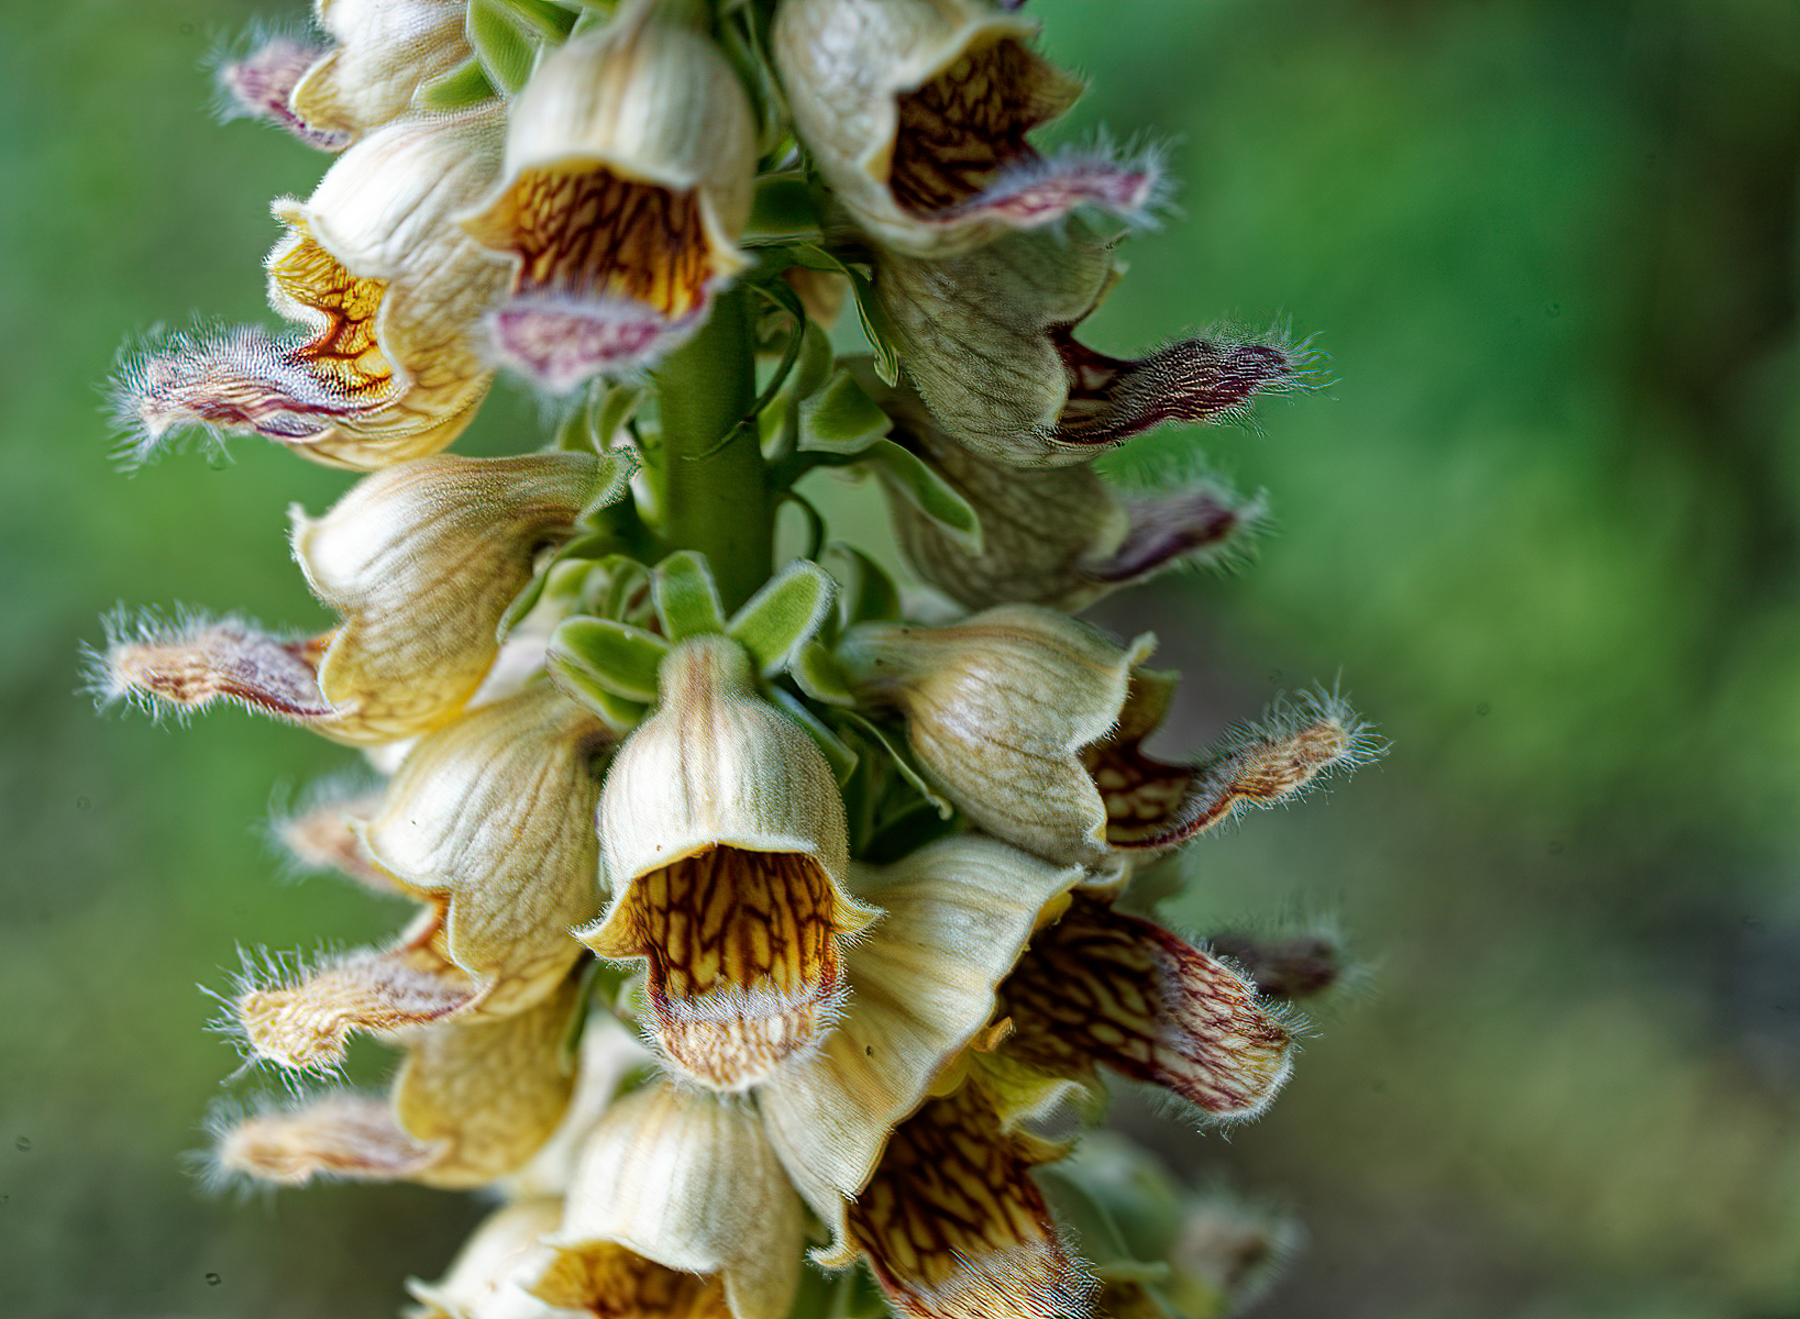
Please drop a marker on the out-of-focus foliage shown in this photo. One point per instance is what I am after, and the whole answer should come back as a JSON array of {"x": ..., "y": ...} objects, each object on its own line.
[{"x": 1544, "y": 523}]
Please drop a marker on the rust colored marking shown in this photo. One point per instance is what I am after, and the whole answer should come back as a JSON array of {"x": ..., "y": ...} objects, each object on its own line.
[
  {"x": 343, "y": 351},
  {"x": 611, "y": 1282},
  {"x": 743, "y": 956},
  {"x": 1143, "y": 795},
  {"x": 953, "y": 1225},
  {"x": 1103, "y": 987},
  {"x": 587, "y": 232},
  {"x": 960, "y": 129}
]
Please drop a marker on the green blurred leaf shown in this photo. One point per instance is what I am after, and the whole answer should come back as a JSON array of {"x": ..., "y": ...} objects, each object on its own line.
[
  {"x": 619, "y": 658},
  {"x": 782, "y": 211},
  {"x": 841, "y": 418},
  {"x": 820, "y": 676},
  {"x": 687, "y": 598},
  {"x": 465, "y": 85},
  {"x": 505, "y": 52},
  {"x": 868, "y": 594},
  {"x": 926, "y": 490},
  {"x": 875, "y": 327},
  {"x": 786, "y": 612}
]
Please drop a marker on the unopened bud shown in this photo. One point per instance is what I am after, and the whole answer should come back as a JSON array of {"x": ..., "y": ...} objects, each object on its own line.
[
  {"x": 630, "y": 162},
  {"x": 917, "y": 112}
]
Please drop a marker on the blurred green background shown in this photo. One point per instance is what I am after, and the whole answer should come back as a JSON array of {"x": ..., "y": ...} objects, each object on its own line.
[{"x": 1544, "y": 525}]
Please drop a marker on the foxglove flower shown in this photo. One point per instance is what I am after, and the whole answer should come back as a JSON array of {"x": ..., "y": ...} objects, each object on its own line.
[
  {"x": 630, "y": 160},
  {"x": 1033, "y": 724},
  {"x": 421, "y": 560},
  {"x": 988, "y": 337},
  {"x": 389, "y": 291},
  {"x": 1053, "y": 536},
  {"x": 917, "y": 113}
]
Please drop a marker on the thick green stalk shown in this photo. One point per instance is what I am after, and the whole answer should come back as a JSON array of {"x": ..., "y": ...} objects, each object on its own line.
[{"x": 711, "y": 485}]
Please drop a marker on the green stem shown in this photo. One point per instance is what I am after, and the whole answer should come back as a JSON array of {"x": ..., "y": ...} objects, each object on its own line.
[{"x": 712, "y": 488}]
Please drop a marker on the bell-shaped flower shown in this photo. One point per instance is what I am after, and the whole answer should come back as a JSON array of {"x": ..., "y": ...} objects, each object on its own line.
[
  {"x": 917, "y": 114},
  {"x": 421, "y": 561},
  {"x": 382, "y": 53},
  {"x": 1032, "y": 724},
  {"x": 678, "y": 1179},
  {"x": 488, "y": 1277},
  {"x": 473, "y": 1101},
  {"x": 953, "y": 1225},
  {"x": 488, "y": 821},
  {"x": 722, "y": 834},
  {"x": 1100, "y": 987},
  {"x": 1054, "y": 536},
  {"x": 630, "y": 163},
  {"x": 389, "y": 291},
  {"x": 988, "y": 337}
]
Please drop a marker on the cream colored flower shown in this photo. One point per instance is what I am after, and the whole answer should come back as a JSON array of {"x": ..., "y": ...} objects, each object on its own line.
[
  {"x": 630, "y": 161},
  {"x": 389, "y": 292},
  {"x": 421, "y": 560},
  {"x": 384, "y": 51},
  {"x": 989, "y": 338},
  {"x": 917, "y": 111},
  {"x": 1032, "y": 724},
  {"x": 706, "y": 1183},
  {"x": 723, "y": 839}
]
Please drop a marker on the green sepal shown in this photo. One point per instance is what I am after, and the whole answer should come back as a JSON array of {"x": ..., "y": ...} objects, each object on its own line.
[
  {"x": 782, "y": 210},
  {"x": 617, "y": 657},
  {"x": 619, "y": 713},
  {"x": 591, "y": 546},
  {"x": 623, "y": 579},
  {"x": 867, "y": 594},
  {"x": 841, "y": 418},
  {"x": 816, "y": 672},
  {"x": 785, "y": 614},
  {"x": 838, "y": 753},
  {"x": 925, "y": 488},
  {"x": 507, "y": 55},
  {"x": 687, "y": 598},
  {"x": 902, "y": 761},
  {"x": 465, "y": 85},
  {"x": 876, "y": 327},
  {"x": 546, "y": 18},
  {"x": 616, "y": 470}
]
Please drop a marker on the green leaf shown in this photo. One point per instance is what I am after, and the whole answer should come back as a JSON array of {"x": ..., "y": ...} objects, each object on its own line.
[
  {"x": 782, "y": 210},
  {"x": 869, "y": 594},
  {"x": 787, "y": 612},
  {"x": 465, "y": 85},
  {"x": 687, "y": 598},
  {"x": 836, "y": 752},
  {"x": 841, "y": 418},
  {"x": 581, "y": 547},
  {"x": 925, "y": 488},
  {"x": 902, "y": 761},
  {"x": 876, "y": 327},
  {"x": 817, "y": 672},
  {"x": 609, "y": 413},
  {"x": 505, "y": 52},
  {"x": 619, "y": 658}
]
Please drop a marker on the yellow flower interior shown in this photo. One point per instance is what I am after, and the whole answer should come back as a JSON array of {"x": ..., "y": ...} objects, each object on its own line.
[
  {"x": 612, "y": 1282},
  {"x": 343, "y": 351}
]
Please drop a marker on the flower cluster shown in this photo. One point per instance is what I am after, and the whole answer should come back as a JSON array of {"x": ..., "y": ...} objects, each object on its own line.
[{"x": 765, "y": 910}]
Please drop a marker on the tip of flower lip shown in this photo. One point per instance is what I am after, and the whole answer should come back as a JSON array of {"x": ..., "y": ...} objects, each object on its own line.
[
  {"x": 255, "y": 75},
  {"x": 1130, "y": 183},
  {"x": 559, "y": 342}
]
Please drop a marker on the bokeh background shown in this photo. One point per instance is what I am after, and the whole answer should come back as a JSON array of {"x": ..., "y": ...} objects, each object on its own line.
[{"x": 1544, "y": 526}]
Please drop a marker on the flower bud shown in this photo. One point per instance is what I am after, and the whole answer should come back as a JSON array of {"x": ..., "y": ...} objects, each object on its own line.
[
  {"x": 677, "y": 1200},
  {"x": 917, "y": 111},
  {"x": 492, "y": 818},
  {"x": 988, "y": 338},
  {"x": 1101, "y": 987},
  {"x": 722, "y": 833},
  {"x": 1053, "y": 536},
  {"x": 421, "y": 560},
  {"x": 385, "y": 51},
  {"x": 630, "y": 163},
  {"x": 998, "y": 709},
  {"x": 389, "y": 291},
  {"x": 953, "y": 1225}
]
